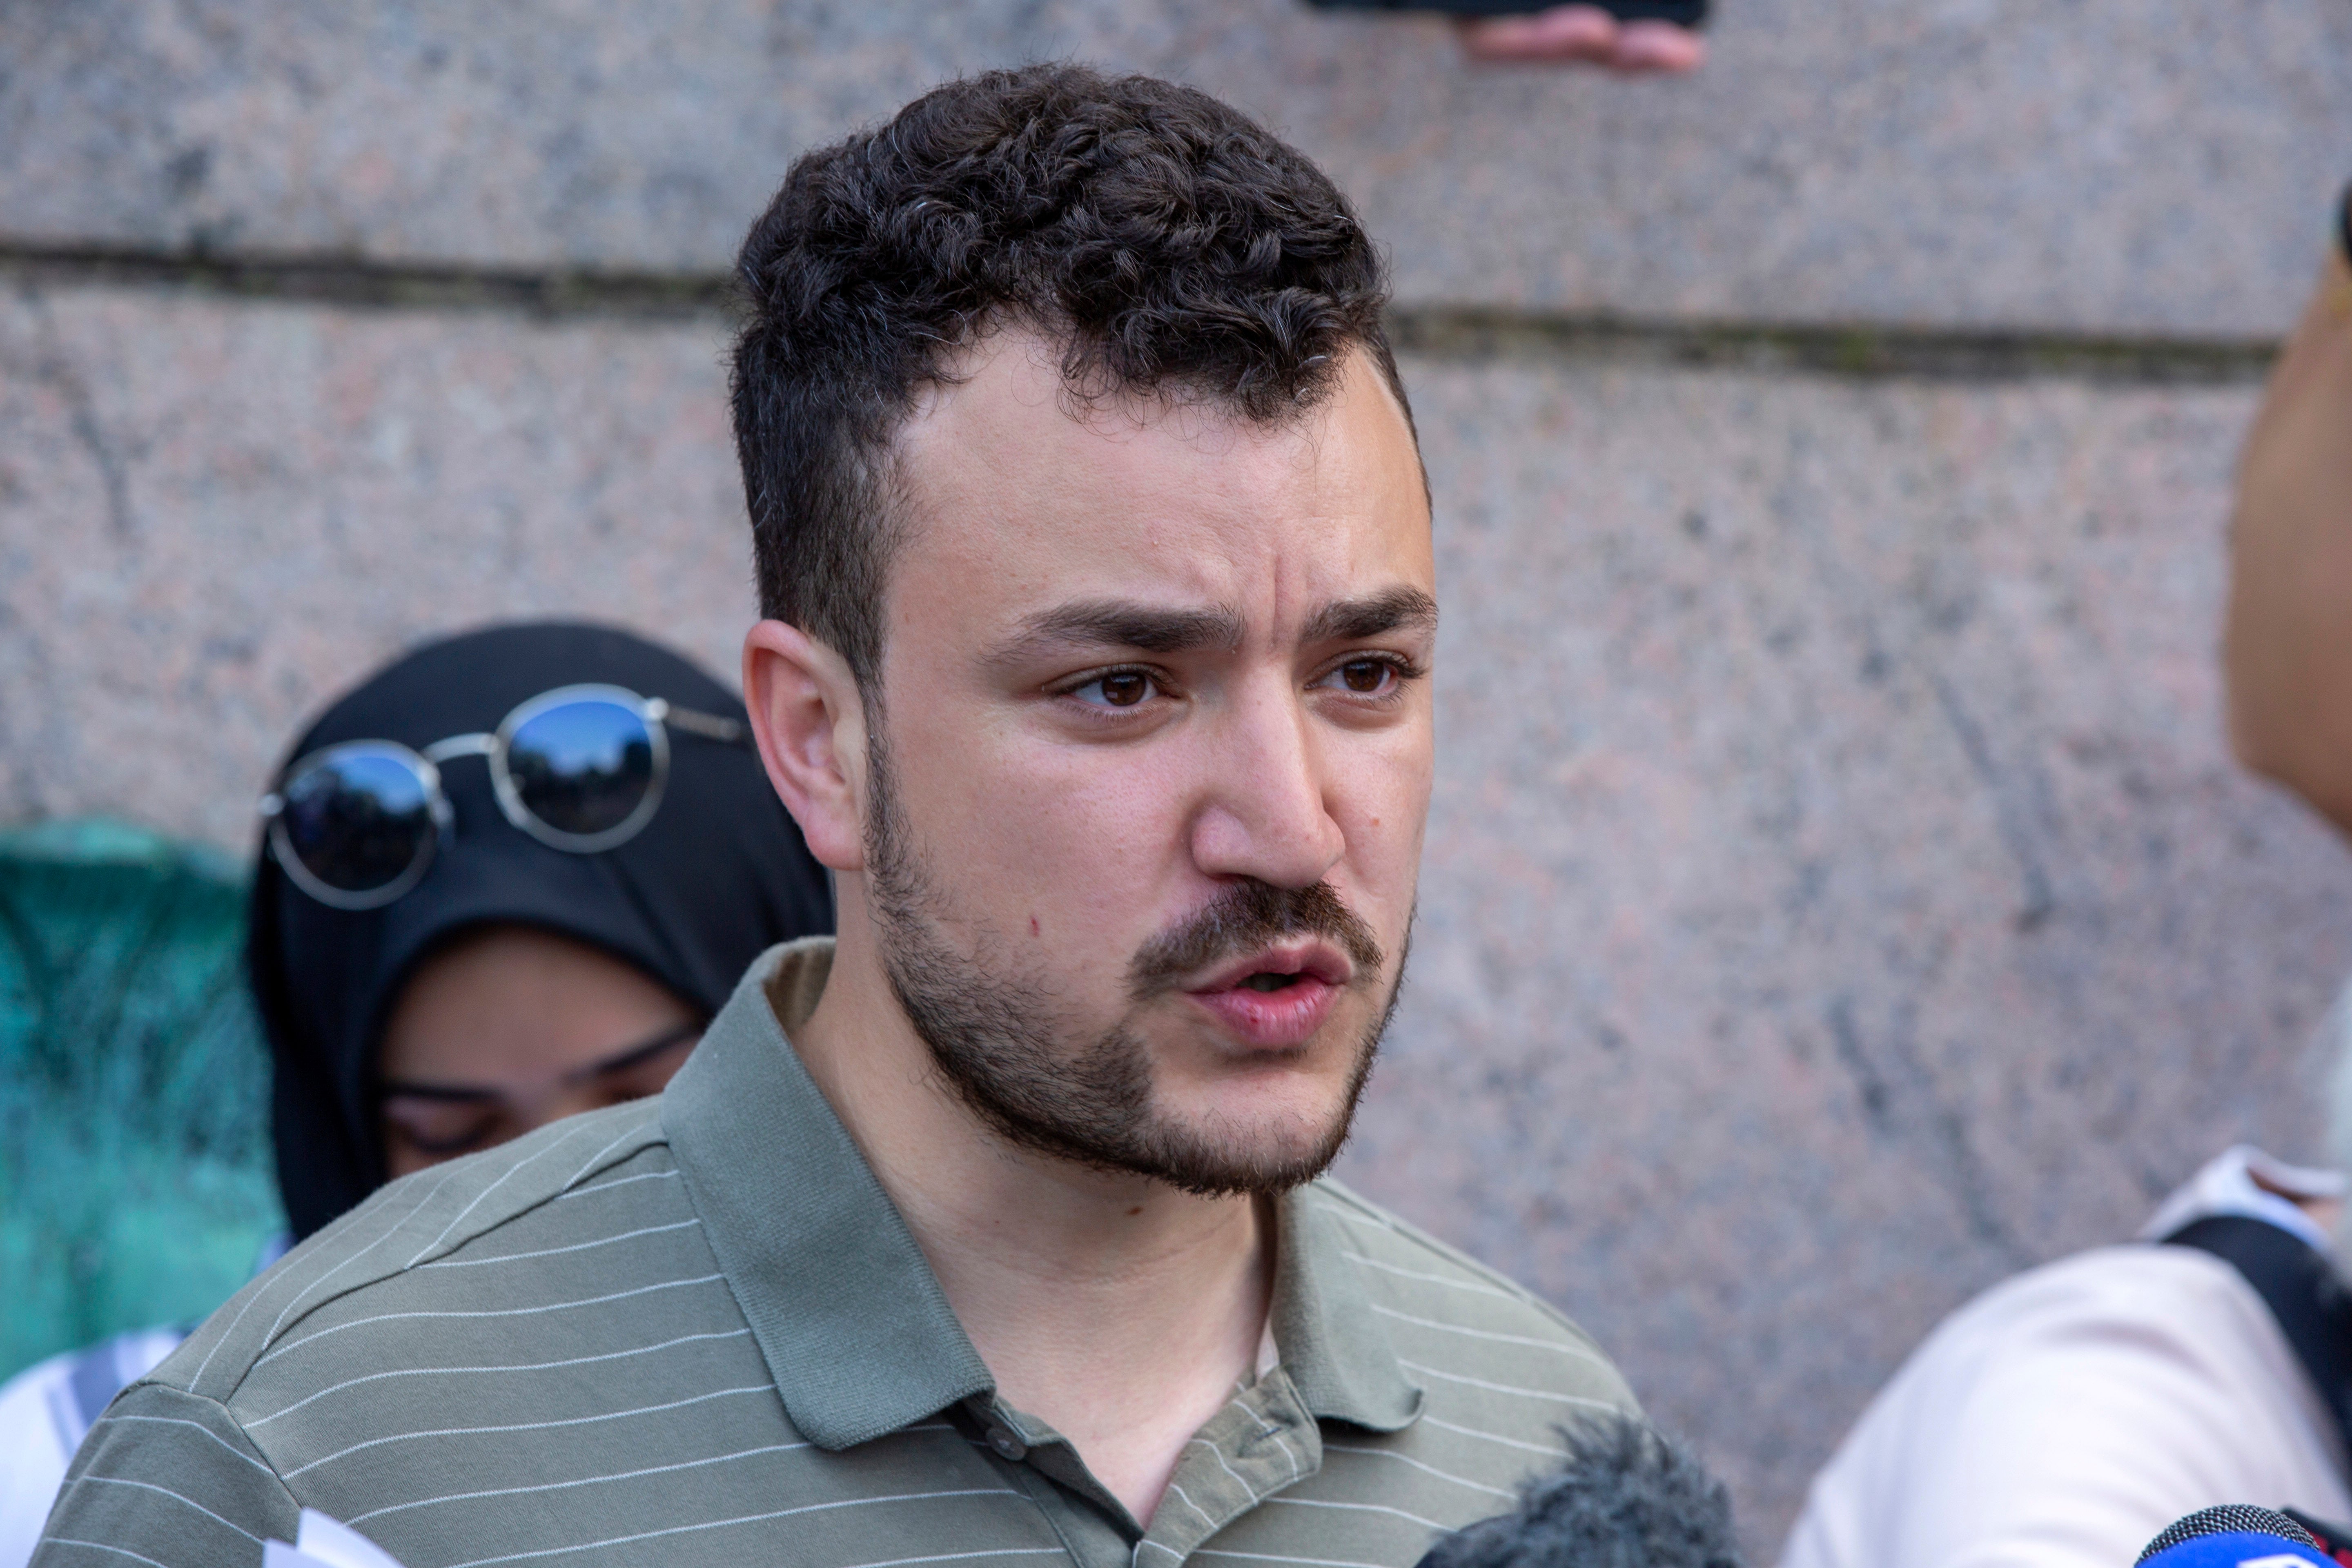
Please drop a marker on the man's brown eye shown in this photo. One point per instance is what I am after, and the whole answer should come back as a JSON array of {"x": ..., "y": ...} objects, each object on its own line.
[
  {"x": 1364, "y": 674},
  {"x": 1126, "y": 689}
]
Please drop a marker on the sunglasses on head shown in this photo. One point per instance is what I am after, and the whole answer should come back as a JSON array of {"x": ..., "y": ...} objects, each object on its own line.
[{"x": 580, "y": 768}]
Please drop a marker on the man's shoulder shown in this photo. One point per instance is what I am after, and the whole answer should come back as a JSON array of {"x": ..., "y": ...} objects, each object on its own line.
[
  {"x": 1454, "y": 1319},
  {"x": 480, "y": 1339},
  {"x": 415, "y": 1246},
  {"x": 2091, "y": 1342},
  {"x": 2136, "y": 1290},
  {"x": 2092, "y": 1398},
  {"x": 2136, "y": 1315}
]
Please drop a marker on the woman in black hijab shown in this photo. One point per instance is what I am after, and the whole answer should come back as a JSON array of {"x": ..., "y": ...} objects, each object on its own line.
[
  {"x": 560, "y": 862},
  {"x": 531, "y": 860}
]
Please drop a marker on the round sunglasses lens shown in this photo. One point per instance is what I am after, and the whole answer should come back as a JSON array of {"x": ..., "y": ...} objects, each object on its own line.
[
  {"x": 357, "y": 820},
  {"x": 581, "y": 768}
]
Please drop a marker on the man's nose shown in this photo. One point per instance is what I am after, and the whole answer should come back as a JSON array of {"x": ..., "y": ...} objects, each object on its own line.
[{"x": 1264, "y": 813}]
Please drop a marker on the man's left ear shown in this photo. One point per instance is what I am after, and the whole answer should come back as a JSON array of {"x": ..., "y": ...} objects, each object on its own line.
[{"x": 810, "y": 721}]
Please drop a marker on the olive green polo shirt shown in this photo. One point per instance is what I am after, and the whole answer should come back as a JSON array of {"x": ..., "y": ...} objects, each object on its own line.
[{"x": 695, "y": 1330}]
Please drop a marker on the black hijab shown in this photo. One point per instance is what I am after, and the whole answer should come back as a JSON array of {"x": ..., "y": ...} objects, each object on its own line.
[{"x": 719, "y": 875}]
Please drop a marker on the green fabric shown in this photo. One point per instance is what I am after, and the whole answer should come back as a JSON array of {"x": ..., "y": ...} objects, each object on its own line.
[{"x": 135, "y": 1181}]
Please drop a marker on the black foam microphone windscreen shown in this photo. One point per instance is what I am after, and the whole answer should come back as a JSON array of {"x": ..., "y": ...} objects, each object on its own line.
[{"x": 1625, "y": 1497}]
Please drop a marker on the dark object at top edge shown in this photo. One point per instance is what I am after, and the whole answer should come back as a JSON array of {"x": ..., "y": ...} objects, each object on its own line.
[{"x": 1687, "y": 13}]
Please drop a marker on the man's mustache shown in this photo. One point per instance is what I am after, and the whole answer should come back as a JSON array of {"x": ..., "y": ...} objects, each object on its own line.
[{"x": 1244, "y": 918}]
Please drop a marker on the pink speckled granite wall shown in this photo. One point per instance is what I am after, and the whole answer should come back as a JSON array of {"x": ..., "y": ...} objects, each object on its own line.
[
  {"x": 2100, "y": 164},
  {"x": 218, "y": 514},
  {"x": 1838, "y": 892}
]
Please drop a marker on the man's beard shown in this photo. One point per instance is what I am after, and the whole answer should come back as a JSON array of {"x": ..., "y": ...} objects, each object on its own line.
[{"x": 995, "y": 1035}]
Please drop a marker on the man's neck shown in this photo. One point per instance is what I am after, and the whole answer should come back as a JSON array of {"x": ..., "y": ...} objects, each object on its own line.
[{"x": 1116, "y": 1309}]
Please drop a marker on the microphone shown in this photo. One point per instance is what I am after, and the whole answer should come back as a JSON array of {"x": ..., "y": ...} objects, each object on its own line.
[
  {"x": 1625, "y": 1497},
  {"x": 2233, "y": 1536}
]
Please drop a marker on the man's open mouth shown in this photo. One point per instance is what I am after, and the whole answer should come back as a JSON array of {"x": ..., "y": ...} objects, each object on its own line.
[
  {"x": 1281, "y": 967},
  {"x": 1277, "y": 997}
]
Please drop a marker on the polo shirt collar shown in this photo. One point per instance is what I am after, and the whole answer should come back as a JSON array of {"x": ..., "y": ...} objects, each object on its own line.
[
  {"x": 1331, "y": 1343},
  {"x": 854, "y": 1326}
]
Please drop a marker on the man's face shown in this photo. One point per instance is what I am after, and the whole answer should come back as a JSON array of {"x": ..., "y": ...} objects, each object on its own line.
[{"x": 1152, "y": 763}]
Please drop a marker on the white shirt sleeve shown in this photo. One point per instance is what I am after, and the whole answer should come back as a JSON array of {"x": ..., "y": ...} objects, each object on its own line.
[
  {"x": 2066, "y": 1417},
  {"x": 45, "y": 1412},
  {"x": 33, "y": 1455}
]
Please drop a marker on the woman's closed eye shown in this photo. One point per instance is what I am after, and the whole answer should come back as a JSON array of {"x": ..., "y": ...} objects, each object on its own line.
[{"x": 443, "y": 1128}]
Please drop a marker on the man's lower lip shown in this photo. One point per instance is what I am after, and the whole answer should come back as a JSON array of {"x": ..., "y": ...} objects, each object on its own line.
[{"x": 1286, "y": 1017}]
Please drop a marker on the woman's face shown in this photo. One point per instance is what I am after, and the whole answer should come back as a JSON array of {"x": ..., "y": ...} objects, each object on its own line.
[{"x": 511, "y": 1028}]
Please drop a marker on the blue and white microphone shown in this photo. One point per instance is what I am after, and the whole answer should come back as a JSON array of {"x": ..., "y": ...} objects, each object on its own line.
[{"x": 2235, "y": 1536}]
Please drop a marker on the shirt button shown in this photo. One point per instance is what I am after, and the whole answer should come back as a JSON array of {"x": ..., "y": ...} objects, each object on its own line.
[{"x": 1006, "y": 1444}]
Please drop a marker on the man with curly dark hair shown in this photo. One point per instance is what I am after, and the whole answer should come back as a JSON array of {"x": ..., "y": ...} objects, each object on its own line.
[{"x": 1095, "y": 550}]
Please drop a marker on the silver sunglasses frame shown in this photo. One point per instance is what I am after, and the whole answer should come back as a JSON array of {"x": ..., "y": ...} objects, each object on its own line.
[{"x": 655, "y": 712}]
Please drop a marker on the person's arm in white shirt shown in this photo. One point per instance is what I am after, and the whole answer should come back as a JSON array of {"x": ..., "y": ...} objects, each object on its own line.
[{"x": 2065, "y": 1417}]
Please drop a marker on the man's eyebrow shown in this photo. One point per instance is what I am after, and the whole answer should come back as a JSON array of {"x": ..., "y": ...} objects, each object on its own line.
[
  {"x": 1120, "y": 622},
  {"x": 1346, "y": 620}
]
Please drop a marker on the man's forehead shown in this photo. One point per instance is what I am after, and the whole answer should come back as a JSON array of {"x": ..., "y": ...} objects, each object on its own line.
[
  {"x": 1149, "y": 626},
  {"x": 1007, "y": 411},
  {"x": 1042, "y": 506}
]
